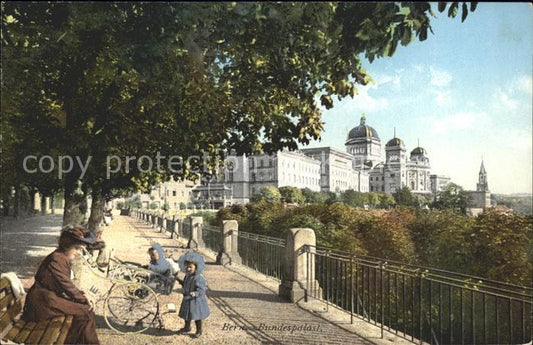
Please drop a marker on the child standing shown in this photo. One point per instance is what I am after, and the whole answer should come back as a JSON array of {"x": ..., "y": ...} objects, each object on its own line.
[{"x": 194, "y": 304}]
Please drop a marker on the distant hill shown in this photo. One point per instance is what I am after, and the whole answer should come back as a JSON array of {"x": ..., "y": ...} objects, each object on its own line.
[{"x": 520, "y": 202}]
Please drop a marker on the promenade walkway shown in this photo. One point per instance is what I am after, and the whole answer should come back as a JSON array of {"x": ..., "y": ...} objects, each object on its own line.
[{"x": 243, "y": 310}]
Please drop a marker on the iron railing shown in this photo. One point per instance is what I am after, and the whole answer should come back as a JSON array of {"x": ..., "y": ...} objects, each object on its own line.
[
  {"x": 262, "y": 253},
  {"x": 418, "y": 303},
  {"x": 211, "y": 237}
]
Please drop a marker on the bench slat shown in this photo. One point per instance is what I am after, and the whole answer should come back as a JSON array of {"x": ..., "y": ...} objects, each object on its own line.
[
  {"x": 37, "y": 332},
  {"x": 52, "y": 331},
  {"x": 15, "y": 330},
  {"x": 10, "y": 314},
  {"x": 64, "y": 330},
  {"x": 23, "y": 335},
  {"x": 5, "y": 301}
]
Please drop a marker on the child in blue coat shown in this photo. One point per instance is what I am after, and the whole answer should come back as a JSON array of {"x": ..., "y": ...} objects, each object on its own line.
[{"x": 194, "y": 304}]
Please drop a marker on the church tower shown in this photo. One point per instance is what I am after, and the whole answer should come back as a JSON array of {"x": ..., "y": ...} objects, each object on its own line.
[{"x": 483, "y": 184}]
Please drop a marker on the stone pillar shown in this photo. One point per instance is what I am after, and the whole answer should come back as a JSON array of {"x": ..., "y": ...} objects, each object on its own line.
[
  {"x": 47, "y": 205},
  {"x": 229, "y": 236},
  {"x": 196, "y": 240},
  {"x": 178, "y": 227},
  {"x": 295, "y": 279}
]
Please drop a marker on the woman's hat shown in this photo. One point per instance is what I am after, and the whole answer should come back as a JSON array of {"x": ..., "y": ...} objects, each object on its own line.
[{"x": 78, "y": 234}]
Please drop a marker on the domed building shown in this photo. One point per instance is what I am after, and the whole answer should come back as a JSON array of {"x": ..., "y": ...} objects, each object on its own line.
[
  {"x": 397, "y": 170},
  {"x": 364, "y": 145}
]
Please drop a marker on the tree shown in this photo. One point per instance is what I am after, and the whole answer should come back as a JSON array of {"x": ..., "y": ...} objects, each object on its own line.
[
  {"x": 452, "y": 198},
  {"x": 386, "y": 201},
  {"x": 353, "y": 198},
  {"x": 312, "y": 197},
  {"x": 133, "y": 79},
  {"x": 291, "y": 195},
  {"x": 404, "y": 197},
  {"x": 269, "y": 194}
]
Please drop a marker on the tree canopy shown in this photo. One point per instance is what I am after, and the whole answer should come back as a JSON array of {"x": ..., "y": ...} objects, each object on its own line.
[{"x": 132, "y": 79}]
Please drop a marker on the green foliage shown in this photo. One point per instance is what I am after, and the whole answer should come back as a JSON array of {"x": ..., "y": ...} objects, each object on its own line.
[
  {"x": 269, "y": 194},
  {"x": 291, "y": 195},
  {"x": 386, "y": 201},
  {"x": 332, "y": 198},
  {"x": 353, "y": 198},
  {"x": 209, "y": 217},
  {"x": 502, "y": 243},
  {"x": 133, "y": 79},
  {"x": 312, "y": 197},
  {"x": 453, "y": 198},
  {"x": 404, "y": 197},
  {"x": 496, "y": 245},
  {"x": 166, "y": 207},
  {"x": 183, "y": 206},
  {"x": 154, "y": 206},
  {"x": 519, "y": 204},
  {"x": 441, "y": 239}
]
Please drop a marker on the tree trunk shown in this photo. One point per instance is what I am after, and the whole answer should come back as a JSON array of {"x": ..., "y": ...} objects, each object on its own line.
[
  {"x": 18, "y": 197},
  {"x": 6, "y": 205},
  {"x": 43, "y": 204},
  {"x": 97, "y": 212},
  {"x": 32, "y": 205},
  {"x": 53, "y": 203},
  {"x": 74, "y": 210}
]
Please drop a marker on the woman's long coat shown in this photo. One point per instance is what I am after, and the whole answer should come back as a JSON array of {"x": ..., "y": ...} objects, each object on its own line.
[
  {"x": 54, "y": 294},
  {"x": 194, "y": 308}
]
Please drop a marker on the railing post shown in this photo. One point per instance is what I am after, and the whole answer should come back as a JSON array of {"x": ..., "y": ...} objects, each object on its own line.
[
  {"x": 229, "y": 237},
  {"x": 296, "y": 267},
  {"x": 173, "y": 226},
  {"x": 179, "y": 231},
  {"x": 196, "y": 240}
]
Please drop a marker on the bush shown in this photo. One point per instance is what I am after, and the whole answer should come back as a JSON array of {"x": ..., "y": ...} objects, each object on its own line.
[{"x": 208, "y": 217}]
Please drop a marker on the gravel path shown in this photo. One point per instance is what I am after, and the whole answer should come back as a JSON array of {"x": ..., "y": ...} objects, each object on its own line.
[{"x": 245, "y": 308}]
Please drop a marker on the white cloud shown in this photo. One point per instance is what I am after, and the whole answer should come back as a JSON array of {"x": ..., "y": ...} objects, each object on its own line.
[
  {"x": 384, "y": 79},
  {"x": 460, "y": 120},
  {"x": 364, "y": 102},
  {"x": 504, "y": 101},
  {"x": 439, "y": 77},
  {"x": 442, "y": 97},
  {"x": 523, "y": 84}
]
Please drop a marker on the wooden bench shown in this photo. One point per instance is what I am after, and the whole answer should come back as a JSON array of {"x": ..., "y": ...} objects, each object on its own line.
[{"x": 16, "y": 330}]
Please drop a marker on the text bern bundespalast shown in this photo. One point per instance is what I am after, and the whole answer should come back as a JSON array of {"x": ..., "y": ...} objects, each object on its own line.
[{"x": 275, "y": 327}]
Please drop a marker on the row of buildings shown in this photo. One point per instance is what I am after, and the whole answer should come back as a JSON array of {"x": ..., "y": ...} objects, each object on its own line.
[{"x": 325, "y": 169}]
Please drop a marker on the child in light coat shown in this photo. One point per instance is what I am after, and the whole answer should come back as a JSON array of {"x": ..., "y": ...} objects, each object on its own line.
[{"x": 194, "y": 304}]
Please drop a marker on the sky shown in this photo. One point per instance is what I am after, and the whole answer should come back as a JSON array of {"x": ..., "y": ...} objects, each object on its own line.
[{"x": 464, "y": 94}]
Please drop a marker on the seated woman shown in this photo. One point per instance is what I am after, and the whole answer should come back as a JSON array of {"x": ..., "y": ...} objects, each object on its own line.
[{"x": 54, "y": 294}]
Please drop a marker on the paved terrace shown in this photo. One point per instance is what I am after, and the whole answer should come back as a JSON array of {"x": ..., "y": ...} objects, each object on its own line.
[{"x": 245, "y": 308}]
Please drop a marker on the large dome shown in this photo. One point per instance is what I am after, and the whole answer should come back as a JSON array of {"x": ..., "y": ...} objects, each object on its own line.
[{"x": 363, "y": 131}]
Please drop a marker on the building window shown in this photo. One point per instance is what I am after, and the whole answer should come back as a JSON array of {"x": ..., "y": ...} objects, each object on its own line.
[
  {"x": 173, "y": 193},
  {"x": 251, "y": 162},
  {"x": 260, "y": 163},
  {"x": 253, "y": 177},
  {"x": 230, "y": 176},
  {"x": 270, "y": 162},
  {"x": 392, "y": 175}
]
